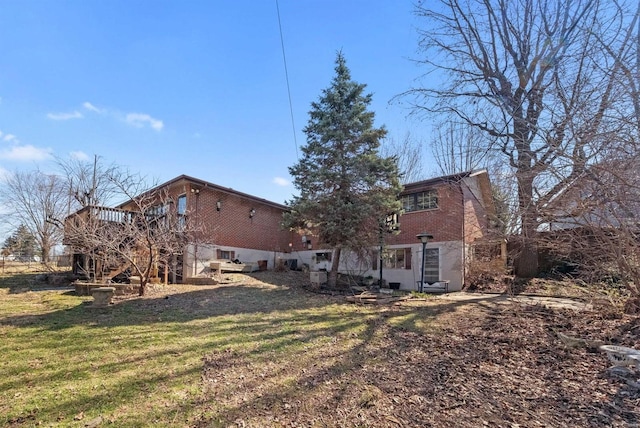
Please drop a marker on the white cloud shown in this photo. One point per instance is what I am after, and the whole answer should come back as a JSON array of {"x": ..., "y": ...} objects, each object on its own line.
[
  {"x": 140, "y": 119},
  {"x": 87, "y": 105},
  {"x": 65, "y": 116},
  {"x": 79, "y": 155},
  {"x": 281, "y": 181},
  {"x": 25, "y": 153},
  {"x": 10, "y": 137},
  {"x": 4, "y": 174}
]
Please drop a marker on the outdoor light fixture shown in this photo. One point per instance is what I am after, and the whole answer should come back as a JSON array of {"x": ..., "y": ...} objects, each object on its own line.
[
  {"x": 218, "y": 205},
  {"x": 196, "y": 191},
  {"x": 252, "y": 212},
  {"x": 424, "y": 238}
]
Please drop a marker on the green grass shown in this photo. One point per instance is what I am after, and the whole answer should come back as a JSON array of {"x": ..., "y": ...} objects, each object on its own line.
[{"x": 140, "y": 362}]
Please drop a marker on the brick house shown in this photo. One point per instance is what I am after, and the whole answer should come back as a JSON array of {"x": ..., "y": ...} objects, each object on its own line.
[
  {"x": 455, "y": 209},
  {"x": 229, "y": 225},
  {"x": 233, "y": 225}
]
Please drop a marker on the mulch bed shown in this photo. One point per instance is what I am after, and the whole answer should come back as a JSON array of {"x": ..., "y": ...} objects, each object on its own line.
[
  {"x": 508, "y": 368},
  {"x": 498, "y": 366}
]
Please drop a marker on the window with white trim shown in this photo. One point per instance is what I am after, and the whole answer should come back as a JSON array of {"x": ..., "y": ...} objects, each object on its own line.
[
  {"x": 427, "y": 200},
  {"x": 181, "y": 210},
  {"x": 393, "y": 258},
  {"x": 324, "y": 256}
]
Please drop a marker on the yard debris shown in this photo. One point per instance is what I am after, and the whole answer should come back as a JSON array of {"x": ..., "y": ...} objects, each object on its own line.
[
  {"x": 576, "y": 342},
  {"x": 369, "y": 298},
  {"x": 503, "y": 365}
]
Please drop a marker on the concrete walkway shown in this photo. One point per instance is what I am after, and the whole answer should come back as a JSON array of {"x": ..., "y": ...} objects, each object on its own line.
[{"x": 550, "y": 302}]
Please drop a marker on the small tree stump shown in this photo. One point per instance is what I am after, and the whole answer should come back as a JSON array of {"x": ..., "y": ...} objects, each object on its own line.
[{"x": 102, "y": 296}]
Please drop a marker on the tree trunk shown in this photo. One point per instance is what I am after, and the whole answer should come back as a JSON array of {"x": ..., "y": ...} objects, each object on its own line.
[
  {"x": 526, "y": 261},
  {"x": 44, "y": 252},
  {"x": 332, "y": 280}
]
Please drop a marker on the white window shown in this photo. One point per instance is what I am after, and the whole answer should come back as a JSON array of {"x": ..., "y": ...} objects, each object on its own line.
[
  {"x": 182, "y": 204},
  {"x": 182, "y": 210},
  {"x": 393, "y": 258},
  {"x": 427, "y": 200}
]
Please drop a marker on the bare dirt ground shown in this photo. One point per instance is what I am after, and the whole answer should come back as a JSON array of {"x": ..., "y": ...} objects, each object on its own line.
[{"x": 473, "y": 363}]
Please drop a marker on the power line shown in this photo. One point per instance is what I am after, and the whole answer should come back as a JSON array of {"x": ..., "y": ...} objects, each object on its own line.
[{"x": 286, "y": 74}]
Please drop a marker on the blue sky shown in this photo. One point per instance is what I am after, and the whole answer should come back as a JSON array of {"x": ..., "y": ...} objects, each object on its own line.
[{"x": 191, "y": 87}]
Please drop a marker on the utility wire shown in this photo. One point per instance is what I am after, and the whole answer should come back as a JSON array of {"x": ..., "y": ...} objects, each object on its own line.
[{"x": 286, "y": 74}]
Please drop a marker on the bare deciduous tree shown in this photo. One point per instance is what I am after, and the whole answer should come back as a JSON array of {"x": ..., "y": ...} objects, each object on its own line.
[
  {"x": 535, "y": 78},
  {"x": 89, "y": 182},
  {"x": 409, "y": 153},
  {"x": 595, "y": 225},
  {"x": 457, "y": 147},
  {"x": 39, "y": 201},
  {"x": 142, "y": 235}
]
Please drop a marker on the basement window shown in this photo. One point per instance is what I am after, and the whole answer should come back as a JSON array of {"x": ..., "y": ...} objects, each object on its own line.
[
  {"x": 225, "y": 255},
  {"x": 323, "y": 256},
  {"x": 393, "y": 258}
]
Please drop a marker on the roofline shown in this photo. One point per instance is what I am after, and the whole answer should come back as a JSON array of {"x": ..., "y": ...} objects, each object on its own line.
[
  {"x": 207, "y": 184},
  {"x": 446, "y": 178}
]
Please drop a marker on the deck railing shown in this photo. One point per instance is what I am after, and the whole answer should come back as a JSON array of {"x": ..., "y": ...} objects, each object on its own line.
[
  {"x": 81, "y": 219},
  {"x": 115, "y": 215}
]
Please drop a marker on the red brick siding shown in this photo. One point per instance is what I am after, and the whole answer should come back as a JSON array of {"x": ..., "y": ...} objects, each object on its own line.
[
  {"x": 476, "y": 217},
  {"x": 232, "y": 226},
  {"x": 444, "y": 223}
]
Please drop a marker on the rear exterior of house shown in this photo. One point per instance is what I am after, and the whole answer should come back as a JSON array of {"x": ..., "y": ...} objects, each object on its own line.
[
  {"x": 232, "y": 225},
  {"x": 228, "y": 225},
  {"x": 455, "y": 209}
]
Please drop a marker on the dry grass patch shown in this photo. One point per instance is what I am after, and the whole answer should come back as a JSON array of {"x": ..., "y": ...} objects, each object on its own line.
[{"x": 260, "y": 351}]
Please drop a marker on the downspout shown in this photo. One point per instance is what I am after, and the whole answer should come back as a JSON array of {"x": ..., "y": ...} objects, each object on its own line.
[{"x": 196, "y": 192}]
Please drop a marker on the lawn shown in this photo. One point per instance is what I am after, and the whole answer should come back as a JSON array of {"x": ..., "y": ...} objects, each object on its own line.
[{"x": 261, "y": 350}]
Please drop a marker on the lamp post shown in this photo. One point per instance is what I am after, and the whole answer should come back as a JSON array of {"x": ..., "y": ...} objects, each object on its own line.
[{"x": 424, "y": 238}]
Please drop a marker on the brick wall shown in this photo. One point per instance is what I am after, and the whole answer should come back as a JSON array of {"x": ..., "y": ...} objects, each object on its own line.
[
  {"x": 444, "y": 222},
  {"x": 233, "y": 226},
  {"x": 476, "y": 221}
]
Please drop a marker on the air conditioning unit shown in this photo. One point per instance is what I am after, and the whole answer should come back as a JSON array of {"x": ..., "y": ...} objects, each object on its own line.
[{"x": 318, "y": 277}]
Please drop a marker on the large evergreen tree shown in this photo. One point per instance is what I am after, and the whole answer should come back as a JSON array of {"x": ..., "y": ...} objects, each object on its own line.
[{"x": 345, "y": 186}]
